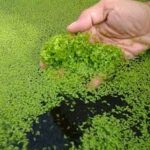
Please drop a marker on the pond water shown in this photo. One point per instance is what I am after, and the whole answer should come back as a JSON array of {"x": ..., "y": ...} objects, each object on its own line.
[{"x": 58, "y": 128}]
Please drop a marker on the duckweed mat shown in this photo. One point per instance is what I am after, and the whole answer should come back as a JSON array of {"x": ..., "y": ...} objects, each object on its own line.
[{"x": 26, "y": 92}]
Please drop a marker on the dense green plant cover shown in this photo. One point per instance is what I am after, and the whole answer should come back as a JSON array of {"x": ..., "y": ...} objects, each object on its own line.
[
  {"x": 104, "y": 134},
  {"x": 66, "y": 51},
  {"x": 24, "y": 27},
  {"x": 26, "y": 92},
  {"x": 78, "y": 65}
]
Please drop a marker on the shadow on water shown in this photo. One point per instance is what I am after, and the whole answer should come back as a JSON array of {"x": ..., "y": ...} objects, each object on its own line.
[
  {"x": 63, "y": 122},
  {"x": 46, "y": 135}
]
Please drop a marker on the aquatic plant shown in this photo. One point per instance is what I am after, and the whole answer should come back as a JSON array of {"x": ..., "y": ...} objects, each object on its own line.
[
  {"x": 26, "y": 92},
  {"x": 78, "y": 66}
]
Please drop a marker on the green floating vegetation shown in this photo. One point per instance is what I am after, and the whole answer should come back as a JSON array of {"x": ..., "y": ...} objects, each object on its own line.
[
  {"x": 26, "y": 92},
  {"x": 91, "y": 72},
  {"x": 104, "y": 133},
  {"x": 24, "y": 27},
  {"x": 109, "y": 133}
]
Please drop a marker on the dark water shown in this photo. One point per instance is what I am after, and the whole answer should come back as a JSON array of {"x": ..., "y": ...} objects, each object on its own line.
[
  {"x": 50, "y": 135},
  {"x": 60, "y": 127}
]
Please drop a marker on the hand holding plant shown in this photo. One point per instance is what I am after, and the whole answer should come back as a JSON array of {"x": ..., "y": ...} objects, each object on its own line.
[{"x": 125, "y": 23}]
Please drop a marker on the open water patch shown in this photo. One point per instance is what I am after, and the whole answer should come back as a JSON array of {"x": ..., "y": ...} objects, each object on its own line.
[{"x": 60, "y": 127}]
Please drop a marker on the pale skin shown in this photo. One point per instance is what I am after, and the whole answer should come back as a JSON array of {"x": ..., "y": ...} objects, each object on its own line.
[{"x": 125, "y": 23}]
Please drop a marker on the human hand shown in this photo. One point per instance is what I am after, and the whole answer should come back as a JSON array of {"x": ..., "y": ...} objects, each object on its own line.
[{"x": 125, "y": 23}]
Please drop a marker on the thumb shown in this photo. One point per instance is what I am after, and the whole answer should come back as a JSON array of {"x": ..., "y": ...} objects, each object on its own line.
[
  {"x": 92, "y": 16},
  {"x": 80, "y": 25}
]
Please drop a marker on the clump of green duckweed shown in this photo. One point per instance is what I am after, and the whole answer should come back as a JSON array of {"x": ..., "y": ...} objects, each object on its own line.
[{"x": 77, "y": 65}]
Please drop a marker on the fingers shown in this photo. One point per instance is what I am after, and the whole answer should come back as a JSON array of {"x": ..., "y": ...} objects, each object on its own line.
[
  {"x": 129, "y": 47},
  {"x": 92, "y": 16},
  {"x": 145, "y": 39},
  {"x": 80, "y": 25}
]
